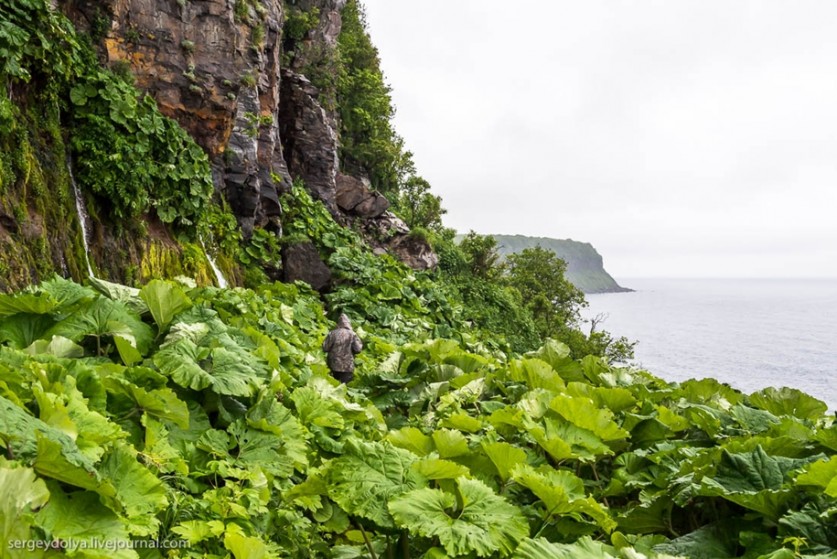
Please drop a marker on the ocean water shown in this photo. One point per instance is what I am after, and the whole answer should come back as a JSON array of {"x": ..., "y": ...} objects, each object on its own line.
[{"x": 748, "y": 333}]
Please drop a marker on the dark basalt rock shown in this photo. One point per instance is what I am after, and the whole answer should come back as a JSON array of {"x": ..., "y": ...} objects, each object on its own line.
[
  {"x": 310, "y": 138},
  {"x": 355, "y": 197},
  {"x": 302, "y": 262}
]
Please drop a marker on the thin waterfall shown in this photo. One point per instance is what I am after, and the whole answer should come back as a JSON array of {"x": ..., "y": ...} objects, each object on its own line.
[
  {"x": 219, "y": 276},
  {"x": 83, "y": 218}
]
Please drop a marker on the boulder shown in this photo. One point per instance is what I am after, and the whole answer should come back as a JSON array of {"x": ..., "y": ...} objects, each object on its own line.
[
  {"x": 356, "y": 198},
  {"x": 414, "y": 251},
  {"x": 302, "y": 262}
]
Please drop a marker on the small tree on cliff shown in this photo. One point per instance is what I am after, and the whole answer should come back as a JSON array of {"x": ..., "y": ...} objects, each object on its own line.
[
  {"x": 418, "y": 206},
  {"x": 482, "y": 254},
  {"x": 539, "y": 276}
]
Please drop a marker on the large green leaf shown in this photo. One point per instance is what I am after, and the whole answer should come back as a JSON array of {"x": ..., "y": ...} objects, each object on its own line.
[
  {"x": 165, "y": 299},
  {"x": 536, "y": 373},
  {"x": 411, "y": 439},
  {"x": 219, "y": 369},
  {"x": 709, "y": 542},
  {"x": 272, "y": 417},
  {"x": 104, "y": 317},
  {"x": 504, "y": 457},
  {"x": 450, "y": 443},
  {"x": 130, "y": 296},
  {"x": 754, "y": 480},
  {"x": 584, "y": 413},
  {"x": 80, "y": 518},
  {"x": 475, "y": 520},
  {"x": 562, "y": 493},
  {"x": 822, "y": 474},
  {"x": 22, "y": 330},
  {"x": 28, "y": 303},
  {"x": 788, "y": 401},
  {"x": 583, "y": 549},
  {"x": 242, "y": 546},
  {"x": 138, "y": 491},
  {"x": 563, "y": 440},
  {"x": 161, "y": 403},
  {"x": 436, "y": 468},
  {"x": 53, "y": 451},
  {"x": 21, "y": 494},
  {"x": 370, "y": 474}
]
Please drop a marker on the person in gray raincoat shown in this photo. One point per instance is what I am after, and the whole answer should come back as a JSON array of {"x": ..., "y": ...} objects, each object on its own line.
[{"x": 341, "y": 345}]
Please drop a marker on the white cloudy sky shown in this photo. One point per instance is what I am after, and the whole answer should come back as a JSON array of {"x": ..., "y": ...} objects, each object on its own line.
[{"x": 680, "y": 137}]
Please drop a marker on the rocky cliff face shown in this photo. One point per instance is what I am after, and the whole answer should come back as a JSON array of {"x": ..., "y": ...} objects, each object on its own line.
[{"x": 224, "y": 70}]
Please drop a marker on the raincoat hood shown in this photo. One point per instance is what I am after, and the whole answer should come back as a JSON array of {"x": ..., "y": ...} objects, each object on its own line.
[{"x": 344, "y": 322}]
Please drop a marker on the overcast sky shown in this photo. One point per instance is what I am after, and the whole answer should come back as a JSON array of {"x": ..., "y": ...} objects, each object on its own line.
[{"x": 681, "y": 138}]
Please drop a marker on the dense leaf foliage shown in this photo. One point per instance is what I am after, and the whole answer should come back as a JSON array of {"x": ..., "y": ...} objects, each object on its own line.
[
  {"x": 124, "y": 149},
  {"x": 207, "y": 417}
]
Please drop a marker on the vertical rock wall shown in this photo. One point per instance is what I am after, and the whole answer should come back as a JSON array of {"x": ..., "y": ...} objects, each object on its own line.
[{"x": 216, "y": 66}]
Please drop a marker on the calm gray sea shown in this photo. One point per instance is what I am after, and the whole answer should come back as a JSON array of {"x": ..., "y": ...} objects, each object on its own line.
[{"x": 748, "y": 333}]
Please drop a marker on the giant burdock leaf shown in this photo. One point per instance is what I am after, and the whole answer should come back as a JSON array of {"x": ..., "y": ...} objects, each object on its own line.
[
  {"x": 54, "y": 453},
  {"x": 815, "y": 525},
  {"x": 753, "y": 471},
  {"x": 557, "y": 355},
  {"x": 788, "y": 401},
  {"x": 584, "y": 413},
  {"x": 504, "y": 457},
  {"x": 714, "y": 541},
  {"x": 584, "y": 548},
  {"x": 165, "y": 299},
  {"x": 272, "y": 417},
  {"x": 21, "y": 493},
  {"x": 223, "y": 371},
  {"x": 103, "y": 317},
  {"x": 55, "y": 462},
  {"x": 242, "y": 546},
  {"x": 80, "y": 518},
  {"x": 754, "y": 480},
  {"x": 563, "y": 440},
  {"x": 161, "y": 403},
  {"x": 535, "y": 373},
  {"x": 364, "y": 479},
  {"x": 476, "y": 520},
  {"x": 411, "y": 439},
  {"x": 436, "y": 468},
  {"x": 615, "y": 399},
  {"x": 138, "y": 491},
  {"x": 24, "y": 329},
  {"x": 29, "y": 303},
  {"x": 562, "y": 493},
  {"x": 130, "y": 296},
  {"x": 450, "y": 443},
  {"x": 66, "y": 292},
  {"x": 822, "y": 474}
]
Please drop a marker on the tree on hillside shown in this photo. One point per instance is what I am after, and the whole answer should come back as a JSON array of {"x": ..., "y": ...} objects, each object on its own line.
[
  {"x": 418, "y": 206},
  {"x": 539, "y": 276},
  {"x": 481, "y": 252}
]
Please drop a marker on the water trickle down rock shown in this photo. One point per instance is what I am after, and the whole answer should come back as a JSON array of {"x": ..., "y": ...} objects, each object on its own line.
[
  {"x": 83, "y": 218},
  {"x": 219, "y": 275}
]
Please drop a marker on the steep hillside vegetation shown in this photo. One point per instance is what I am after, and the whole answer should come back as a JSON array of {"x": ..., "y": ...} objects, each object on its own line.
[
  {"x": 205, "y": 419},
  {"x": 249, "y": 141}
]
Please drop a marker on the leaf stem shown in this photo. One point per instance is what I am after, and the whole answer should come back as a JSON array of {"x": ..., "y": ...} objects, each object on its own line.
[{"x": 366, "y": 539}]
